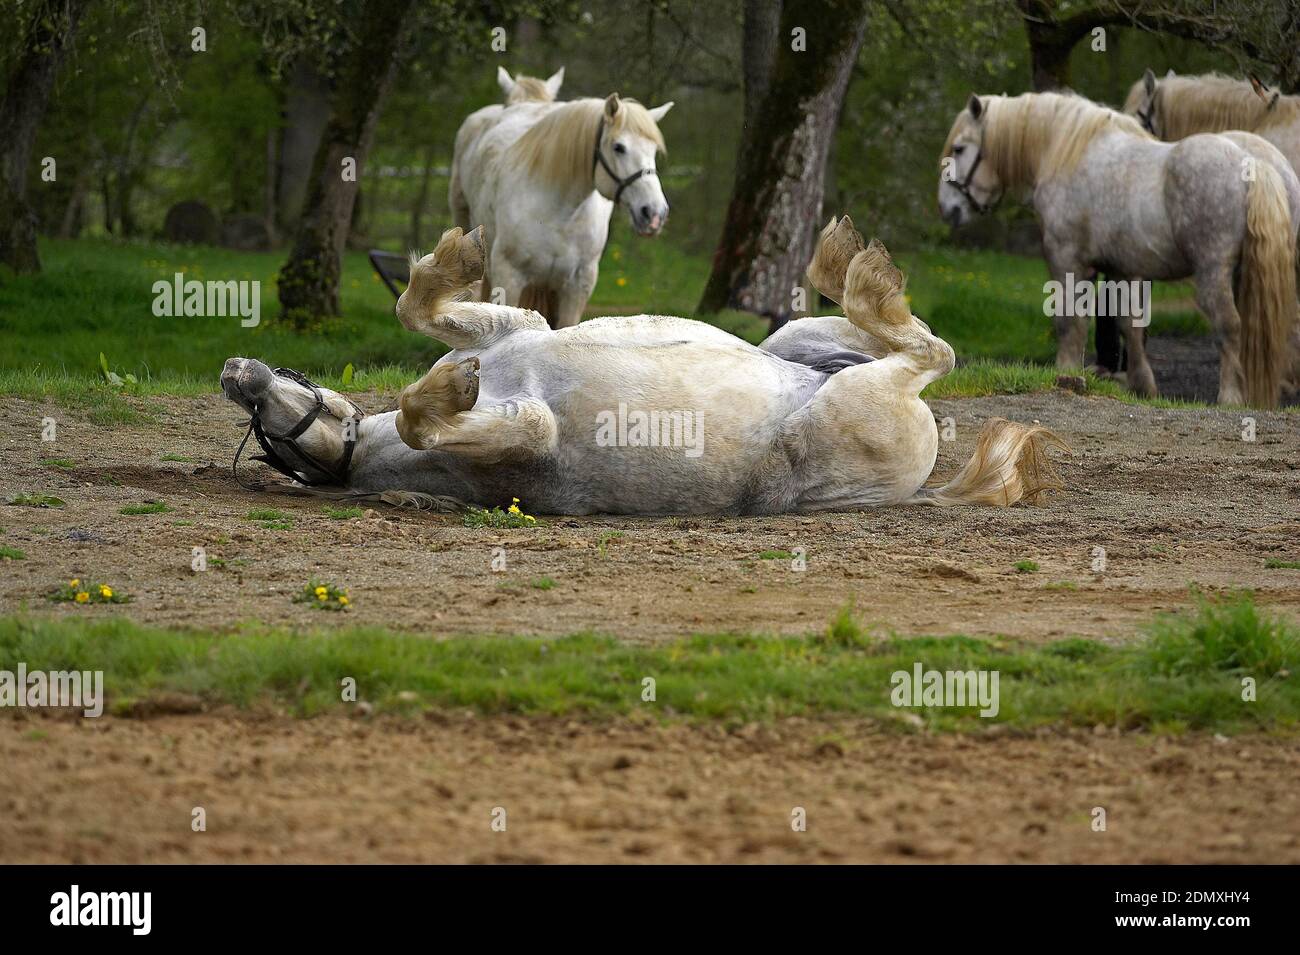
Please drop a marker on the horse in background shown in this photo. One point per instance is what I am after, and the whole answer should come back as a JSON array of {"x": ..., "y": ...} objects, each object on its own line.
[
  {"x": 1176, "y": 107},
  {"x": 543, "y": 179},
  {"x": 1113, "y": 199}
]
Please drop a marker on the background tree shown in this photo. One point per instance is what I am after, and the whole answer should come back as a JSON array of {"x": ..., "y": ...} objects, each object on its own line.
[
  {"x": 45, "y": 30},
  {"x": 776, "y": 201}
]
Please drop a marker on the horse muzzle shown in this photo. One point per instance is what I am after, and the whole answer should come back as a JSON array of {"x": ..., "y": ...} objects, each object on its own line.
[
  {"x": 246, "y": 381},
  {"x": 647, "y": 220}
]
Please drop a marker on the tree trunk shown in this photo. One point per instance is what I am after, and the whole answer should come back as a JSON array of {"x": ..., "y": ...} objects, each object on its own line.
[
  {"x": 776, "y": 200},
  {"x": 421, "y": 200},
  {"x": 27, "y": 94},
  {"x": 761, "y": 34},
  {"x": 309, "y": 281}
]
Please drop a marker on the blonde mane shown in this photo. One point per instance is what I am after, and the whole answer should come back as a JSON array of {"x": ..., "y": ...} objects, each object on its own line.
[
  {"x": 1212, "y": 103},
  {"x": 529, "y": 89},
  {"x": 1035, "y": 136},
  {"x": 560, "y": 146}
]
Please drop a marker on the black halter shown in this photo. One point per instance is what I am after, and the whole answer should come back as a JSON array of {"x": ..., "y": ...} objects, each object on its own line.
[
  {"x": 1147, "y": 119},
  {"x": 598, "y": 159},
  {"x": 290, "y": 438},
  {"x": 963, "y": 187}
]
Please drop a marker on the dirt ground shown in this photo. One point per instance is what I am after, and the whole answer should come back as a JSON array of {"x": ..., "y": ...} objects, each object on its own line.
[
  {"x": 335, "y": 789},
  {"x": 1175, "y": 497}
]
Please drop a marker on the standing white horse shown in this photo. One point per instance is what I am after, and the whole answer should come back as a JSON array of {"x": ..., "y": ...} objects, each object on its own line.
[
  {"x": 543, "y": 179},
  {"x": 646, "y": 414},
  {"x": 1113, "y": 199},
  {"x": 1176, "y": 107}
]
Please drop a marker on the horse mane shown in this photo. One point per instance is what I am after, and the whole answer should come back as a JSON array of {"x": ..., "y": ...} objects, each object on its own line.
[
  {"x": 1213, "y": 103},
  {"x": 529, "y": 89},
  {"x": 559, "y": 146},
  {"x": 1035, "y": 136}
]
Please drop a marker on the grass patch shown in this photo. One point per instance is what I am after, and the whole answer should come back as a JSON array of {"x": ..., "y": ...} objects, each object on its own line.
[
  {"x": 542, "y": 583},
  {"x": 155, "y": 507},
  {"x": 775, "y": 555},
  {"x": 1026, "y": 567},
  {"x": 1276, "y": 563},
  {"x": 63, "y": 464},
  {"x": 178, "y": 457},
  {"x": 36, "y": 500},
  {"x": 496, "y": 517},
  {"x": 11, "y": 553},
  {"x": 1187, "y": 674},
  {"x": 343, "y": 513}
]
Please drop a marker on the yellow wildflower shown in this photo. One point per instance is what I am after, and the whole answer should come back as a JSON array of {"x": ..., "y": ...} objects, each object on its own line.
[
  {"x": 74, "y": 583},
  {"x": 320, "y": 595},
  {"x": 321, "y": 591},
  {"x": 514, "y": 509},
  {"x": 620, "y": 281},
  {"x": 344, "y": 601},
  {"x": 105, "y": 591},
  {"x": 529, "y": 517},
  {"x": 82, "y": 597}
]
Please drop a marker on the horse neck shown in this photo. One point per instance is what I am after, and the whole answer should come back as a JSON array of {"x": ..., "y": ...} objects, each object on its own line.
[
  {"x": 383, "y": 462},
  {"x": 572, "y": 191}
]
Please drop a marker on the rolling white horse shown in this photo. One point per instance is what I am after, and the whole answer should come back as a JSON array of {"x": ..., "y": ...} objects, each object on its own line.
[
  {"x": 1176, "y": 107},
  {"x": 1113, "y": 199},
  {"x": 543, "y": 179},
  {"x": 647, "y": 414}
]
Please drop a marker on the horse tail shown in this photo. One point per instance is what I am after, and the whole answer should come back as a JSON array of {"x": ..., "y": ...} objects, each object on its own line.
[
  {"x": 1010, "y": 464},
  {"x": 541, "y": 299},
  {"x": 1266, "y": 293}
]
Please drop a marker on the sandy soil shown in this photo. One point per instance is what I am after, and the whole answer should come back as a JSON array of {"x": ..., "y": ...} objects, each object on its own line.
[
  {"x": 1174, "y": 497},
  {"x": 354, "y": 790}
]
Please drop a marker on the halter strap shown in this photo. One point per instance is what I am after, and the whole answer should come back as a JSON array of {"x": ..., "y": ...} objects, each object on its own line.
[
  {"x": 598, "y": 159},
  {"x": 963, "y": 187},
  {"x": 270, "y": 457}
]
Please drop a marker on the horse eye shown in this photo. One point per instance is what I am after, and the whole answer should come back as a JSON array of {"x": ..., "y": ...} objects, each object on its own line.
[
  {"x": 958, "y": 150},
  {"x": 620, "y": 148}
]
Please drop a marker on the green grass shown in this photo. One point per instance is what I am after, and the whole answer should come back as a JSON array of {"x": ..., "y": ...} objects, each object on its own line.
[
  {"x": 775, "y": 555},
  {"x": 177, "y": 457},
  {"x": 1187, "y": 675},
  {"x": 542, "y": 583},
  {"x": 157, "y": 507},
  {"x": 63, "y": 464},
  {"x": 343, "y": 513},
  {"x": 987, "y": 305},
  {"x": 266, "y": 514},
  {"x": 36, "y": 500},
  {"x": 1276, "y": 563},
  {"x": 1026, "y": 567},
  {"x": 11, "y": 553}
]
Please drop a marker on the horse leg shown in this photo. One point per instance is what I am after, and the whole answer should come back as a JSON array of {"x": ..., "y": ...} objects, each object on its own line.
[
  {"x": 572, "y": 299},
  {"x": 1214, "y": 296},
  {"x": 430, "y": 303},
  {"x": 1071, "y": 330},
  {"x": 438, "y": 411},
  {"x": 1141, "y": 379}
]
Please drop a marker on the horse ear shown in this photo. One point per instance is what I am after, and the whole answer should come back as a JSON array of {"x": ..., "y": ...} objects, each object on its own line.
[
  {"x": 1149, "y": 82},
  {"x": 554, "y": 82},
  {"x": 504, "y": 81},
  {"x": 612, "y": 105},
  {"x": 1258, "y": 86},
  {"x": 975, "y": 106},
  {"x": 1170, "y": 73},
  {"x": 659, "y": 112}
]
